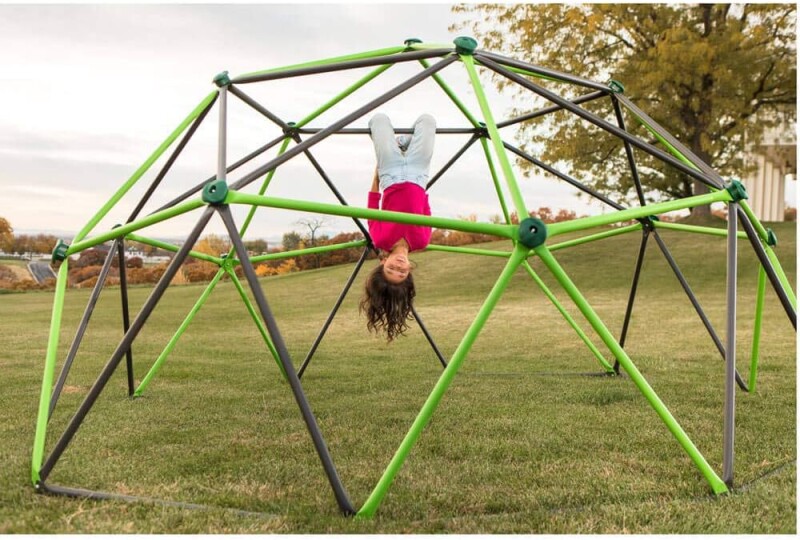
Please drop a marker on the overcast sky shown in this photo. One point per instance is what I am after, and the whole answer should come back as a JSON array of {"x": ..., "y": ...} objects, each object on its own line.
[{"x": 89, "y": 91}]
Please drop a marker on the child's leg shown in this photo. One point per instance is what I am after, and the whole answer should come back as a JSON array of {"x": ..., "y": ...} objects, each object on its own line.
[
  {"x": 420, "y": 151},
  {"x": 387, "y": 153}
]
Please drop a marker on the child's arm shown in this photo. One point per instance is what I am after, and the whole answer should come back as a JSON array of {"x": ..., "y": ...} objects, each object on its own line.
[{"x": 375, "y": 182}]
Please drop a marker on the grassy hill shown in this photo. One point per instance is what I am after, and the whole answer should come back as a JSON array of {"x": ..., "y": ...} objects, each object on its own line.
[{"x": 523, "y": 441}]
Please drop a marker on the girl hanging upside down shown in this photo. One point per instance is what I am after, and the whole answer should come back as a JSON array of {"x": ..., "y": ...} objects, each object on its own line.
[{"x": 401, "y": 174}]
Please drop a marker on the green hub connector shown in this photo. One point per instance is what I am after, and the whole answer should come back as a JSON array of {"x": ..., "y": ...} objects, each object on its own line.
[
  {"x": 465, "y": 45},
  {"x": 616, "y": 86},
  {"x": 772, "y": 240},
  {"x": 59, "y": 251},
  {"x": 215, "y": 192},
  {"x": 228, "y": 263},
  {"x": 532, "y": 232},
  {"x": 411, "y": 41},
  {"x": 222, "y": 79},
  {"x": 737, "y": 191}
]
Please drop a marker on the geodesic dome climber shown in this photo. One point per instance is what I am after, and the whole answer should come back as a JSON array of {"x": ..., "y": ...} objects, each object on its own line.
[{"x": 218, "y": 194}]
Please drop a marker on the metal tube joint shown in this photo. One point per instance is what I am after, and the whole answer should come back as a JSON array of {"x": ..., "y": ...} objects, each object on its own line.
[
  {"x": 222, "y": 79},
  {"x": 532, "y": 232},
  {"x": 214, "y": 193},
  {"x": 736, "y": 190}
]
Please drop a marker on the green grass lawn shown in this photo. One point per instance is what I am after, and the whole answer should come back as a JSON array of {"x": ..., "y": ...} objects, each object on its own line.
[{"x": 523, "y": 441}]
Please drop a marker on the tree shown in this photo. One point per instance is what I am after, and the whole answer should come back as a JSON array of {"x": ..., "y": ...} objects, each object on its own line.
[
  {"x": 313, "y": 224},
  {"x": 707, "y": 73},
  {"x": 291, "y": 241},
  {"x": 6, "y": 235},
  {"x": 257, "y": 245},
  {"x": 213, "y": 245}
]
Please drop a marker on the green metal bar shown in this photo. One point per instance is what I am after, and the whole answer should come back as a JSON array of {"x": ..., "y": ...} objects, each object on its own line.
[
  {"x": 128, "y": 228},
  {"x": 259, "y": 323},
  {"x": 549, "y": 294},
  {"x": 593, "y": 237},
  {"x": 696, "y": 229},
  {"x": 144, "y": 167},
  {"x": 505, "y": 231},
  {"x": 469, "y": 251},
  {"x": 554, "y": 229},
  {"x": 328, "y": 61},
  {"x": 762, "y": 287},
  {"x": 497, "y": 141},
  {"x": 306, "y": 251},
  {"x": 447, "y": 90},
  {"x": 177, "y": 335},
  {"x": 49, "y": 371},
  {"x": 495, "y": 180},
  {"x": 762, "y": 232},
  {"x": 776, "y": 264},
  {"x": 169, "y": 247},
  {"x": 375, "y": 498},
  {"x": 717, "y": 485},
  {"x": 346, "y": 92}
]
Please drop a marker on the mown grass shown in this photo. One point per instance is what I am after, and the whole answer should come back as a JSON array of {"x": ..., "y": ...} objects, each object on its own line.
[{"x": 523, "y": 441}]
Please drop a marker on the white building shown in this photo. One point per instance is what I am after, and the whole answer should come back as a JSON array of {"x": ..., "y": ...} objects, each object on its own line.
[{"x": 775, "y": 158}]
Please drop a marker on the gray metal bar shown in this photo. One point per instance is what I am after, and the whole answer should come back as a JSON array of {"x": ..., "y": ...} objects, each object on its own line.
[
  {"x": 222, "y": 138},
  {"x": 332, "y": 187},
  {"x": 168, "y": 165},
  {"x": 679, "y": 146},
  {"x": 730, "y": 357},
  {"x": 333, "y": 312},
  {"x": 690, "y": 294},
  {"x": 125, "y": 344},
  {"x": 634, "y": 286},
  {"x": 599, "y": 122},
  {"x": 199, "y": 187},
  {"x": 763, "y": 258},
  {"x": 339, "y": 491},
  {"x": 258, "y": 107},
  {"x": 629, "y": 153},
  {"x": 565, "y": 77},
  {"x": 79, "y": 333},
  {"x": 551, "y": 109},
  {"x": 79, "y": 493},
  {"x": 126, "y": 317},
  {"x": 350, "y": 64},
  {"x": 447, "y": 165},
  {"x": 409, "y": 131},
  {"x": 564, "y": 177},
  {"x": 428, "y": 336},
  {"x": 333, "y": 128}
]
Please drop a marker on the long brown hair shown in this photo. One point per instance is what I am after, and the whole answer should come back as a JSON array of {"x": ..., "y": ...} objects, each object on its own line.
[{"x": 387, "y": 305}]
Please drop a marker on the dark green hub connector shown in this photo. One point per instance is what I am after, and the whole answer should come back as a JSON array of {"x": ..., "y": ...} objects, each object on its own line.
[
  {"x": 532, "y": 232},
  {"x": 465, "y": 45},
  {"x": 60, "y": 251},
  {"x": 411, "y": 41},
  {"x": 737, "y": 191},
  {"x": 616, "y": 86},
  {"x": 222, "y": 79},
  {"x": 291, "y": 130},
  {"x": 647, "y": 222},
  {"x": 215, "y": 192},
  {"x": 772, "y": 240}
]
